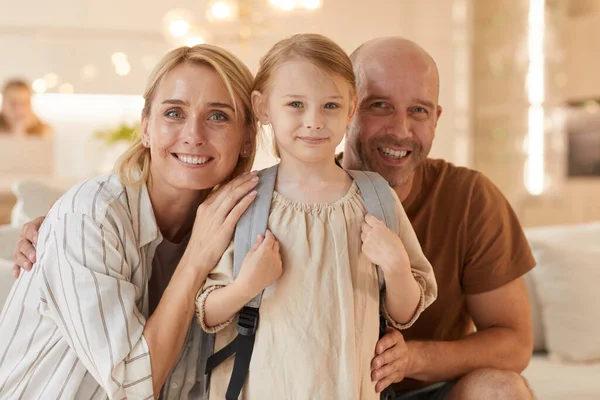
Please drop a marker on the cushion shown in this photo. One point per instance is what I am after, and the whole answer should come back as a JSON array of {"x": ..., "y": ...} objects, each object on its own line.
[
  {"x": 34, "y": 199},
  {"x": 566, "y": 282},
  {"x": 539, "y": 335},
  {"x": 552, "y": 380},
  {"x": 9, "y": 236}
]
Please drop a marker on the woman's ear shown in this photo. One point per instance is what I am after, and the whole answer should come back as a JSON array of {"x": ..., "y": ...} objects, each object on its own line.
[
  {"x": 145, "y": 135},
  {"x": 259, "y": 107},
  {"x": 248, "y": 145}
]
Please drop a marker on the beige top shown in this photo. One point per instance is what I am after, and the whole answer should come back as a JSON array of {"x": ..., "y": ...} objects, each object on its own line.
[{"x": 319, "y": 322}]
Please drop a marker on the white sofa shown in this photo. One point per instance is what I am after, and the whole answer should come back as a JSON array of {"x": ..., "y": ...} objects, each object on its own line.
[
  {"x": 565, "y": 299},
  {"x": 34, "y": 199},
  {"x": 563, "y": 291}
]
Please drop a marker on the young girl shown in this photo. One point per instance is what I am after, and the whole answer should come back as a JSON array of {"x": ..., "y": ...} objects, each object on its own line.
[{"x": 319, "y": 315}]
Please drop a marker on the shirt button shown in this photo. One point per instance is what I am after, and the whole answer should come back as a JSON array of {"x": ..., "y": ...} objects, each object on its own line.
[{"x": 174, "y": 385}]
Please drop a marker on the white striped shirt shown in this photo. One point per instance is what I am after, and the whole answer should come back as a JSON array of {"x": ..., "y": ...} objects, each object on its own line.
[{"x": 72, "y": 327}]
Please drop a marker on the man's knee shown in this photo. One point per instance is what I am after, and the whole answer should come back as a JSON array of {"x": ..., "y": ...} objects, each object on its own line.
[{"x": 492, "y": 384}]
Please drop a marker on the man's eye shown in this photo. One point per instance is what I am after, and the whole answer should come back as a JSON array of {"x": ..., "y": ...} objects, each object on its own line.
[{"x": 379, "y": 104}]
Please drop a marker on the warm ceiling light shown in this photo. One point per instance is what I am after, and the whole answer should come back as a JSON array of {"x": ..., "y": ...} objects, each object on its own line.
[
  {"x": 195, "y": 40},
  {"x": 123, "y": 69},
  {"x": 118, "y": 58},
  {"x": 39, "y": 85},
  {"x": 311, "y": 4},
  {"x": 221, "y": 10},
  {"x": 179, "y": 27},
  {"x": 286, "y": 5},
  {"x": 51, "y": 80}
]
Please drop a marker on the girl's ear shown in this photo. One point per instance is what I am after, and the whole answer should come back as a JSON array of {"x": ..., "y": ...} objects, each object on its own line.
[
  {"x": 260, "y": 107},
  {"x": 353, "y": 106}
]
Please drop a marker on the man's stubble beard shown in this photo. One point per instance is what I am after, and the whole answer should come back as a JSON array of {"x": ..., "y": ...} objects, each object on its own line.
[{"x": 367, "y": 160}]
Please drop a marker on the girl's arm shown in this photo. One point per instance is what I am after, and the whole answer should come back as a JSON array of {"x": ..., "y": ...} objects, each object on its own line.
[
  {"x": 221, "y": 298},
  {"x": 409, "y": 278}
]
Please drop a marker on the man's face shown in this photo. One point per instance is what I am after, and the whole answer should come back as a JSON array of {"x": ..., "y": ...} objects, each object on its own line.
[{"x": 394, "y": 126}]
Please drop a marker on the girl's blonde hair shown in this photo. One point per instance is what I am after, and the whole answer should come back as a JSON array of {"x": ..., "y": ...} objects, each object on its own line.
[
  {"x": 133, "y": 167},
  {"x": 319, "y": 50}
]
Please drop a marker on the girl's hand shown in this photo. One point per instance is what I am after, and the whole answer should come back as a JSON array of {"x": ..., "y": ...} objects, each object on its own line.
[
  {"x": 383, "y": 247},
  {"x": 261, "y": 267}
]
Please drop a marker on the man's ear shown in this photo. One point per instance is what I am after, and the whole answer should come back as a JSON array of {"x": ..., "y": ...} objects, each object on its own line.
[
  {"x": 259, "y": 107},
  {"x": 438, "y": 113}
]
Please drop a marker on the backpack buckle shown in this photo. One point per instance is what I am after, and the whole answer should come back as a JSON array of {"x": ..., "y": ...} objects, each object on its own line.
[{"x": 248, "y": 321}]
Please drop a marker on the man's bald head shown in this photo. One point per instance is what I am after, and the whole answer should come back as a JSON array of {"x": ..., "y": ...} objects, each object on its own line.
[
  {"x": 394, "y": 126},
  {"x": 394, "y": 52}
]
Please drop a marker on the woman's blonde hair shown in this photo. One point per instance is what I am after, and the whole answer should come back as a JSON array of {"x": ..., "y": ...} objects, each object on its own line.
[
  {"x": 134, "y": 165},
  {"x": 319, "y": 50}
]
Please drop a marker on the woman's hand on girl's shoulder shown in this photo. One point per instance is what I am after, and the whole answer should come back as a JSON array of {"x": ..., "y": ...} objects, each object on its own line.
[{"x": 216, "y": 218}]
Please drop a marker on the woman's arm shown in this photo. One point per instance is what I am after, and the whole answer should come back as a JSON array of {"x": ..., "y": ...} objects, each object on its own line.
[{"x": 91, "y": 296}]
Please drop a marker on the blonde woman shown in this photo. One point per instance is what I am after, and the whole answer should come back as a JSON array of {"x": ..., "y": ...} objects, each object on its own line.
[
  {"x": 16, "y": 115},
  {"x": 107, "y": 311}
]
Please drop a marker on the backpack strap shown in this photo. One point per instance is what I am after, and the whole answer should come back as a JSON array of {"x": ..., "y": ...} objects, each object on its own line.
[
  {"x": 379, "y": 202},
  {"x": 252, "y": 223}
]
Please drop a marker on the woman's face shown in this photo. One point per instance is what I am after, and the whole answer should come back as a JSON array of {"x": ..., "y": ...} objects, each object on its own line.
[
  {"x": 16, "y": 106},
  {"x": 194, "y": 136}
]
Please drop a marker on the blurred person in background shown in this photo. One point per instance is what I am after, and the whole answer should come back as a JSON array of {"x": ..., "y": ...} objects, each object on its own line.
[{"x": 16, "y": 114}]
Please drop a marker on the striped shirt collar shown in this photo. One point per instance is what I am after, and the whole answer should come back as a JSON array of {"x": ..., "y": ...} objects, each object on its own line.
[{"x": 146, "y": 230}]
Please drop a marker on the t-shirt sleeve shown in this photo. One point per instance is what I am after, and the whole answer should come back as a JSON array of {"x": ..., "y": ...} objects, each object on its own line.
[
  {"x": 497, "y": 251},
  {"x": 220, "y": 276}
]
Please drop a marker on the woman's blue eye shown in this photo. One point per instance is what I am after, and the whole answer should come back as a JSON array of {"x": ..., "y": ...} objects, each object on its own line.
[
  {"x": 218, "y": 117},
  {"x": 295, "y": 104},
  {"x": 173, "y": 114}
]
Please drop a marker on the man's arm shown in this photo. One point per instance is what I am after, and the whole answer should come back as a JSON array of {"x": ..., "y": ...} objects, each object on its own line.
[{"x": 503, "y": 341}]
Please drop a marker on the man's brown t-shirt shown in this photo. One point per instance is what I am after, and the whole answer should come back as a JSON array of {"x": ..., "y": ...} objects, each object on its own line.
[{"x": 472, "y": 238}]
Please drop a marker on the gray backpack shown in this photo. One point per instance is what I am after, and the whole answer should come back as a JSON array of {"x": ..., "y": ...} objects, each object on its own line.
[{"x": 379, "y": 202}]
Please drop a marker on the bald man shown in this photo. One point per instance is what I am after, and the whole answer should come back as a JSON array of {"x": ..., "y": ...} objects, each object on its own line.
[{"x": 476, "y": 339}]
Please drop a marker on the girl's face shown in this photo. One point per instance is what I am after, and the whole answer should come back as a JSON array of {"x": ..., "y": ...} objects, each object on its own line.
[
  {"x": 194, "y": 136},
  {"x": 16, "y": 106},
  {"x": 308, "y": 109}
]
